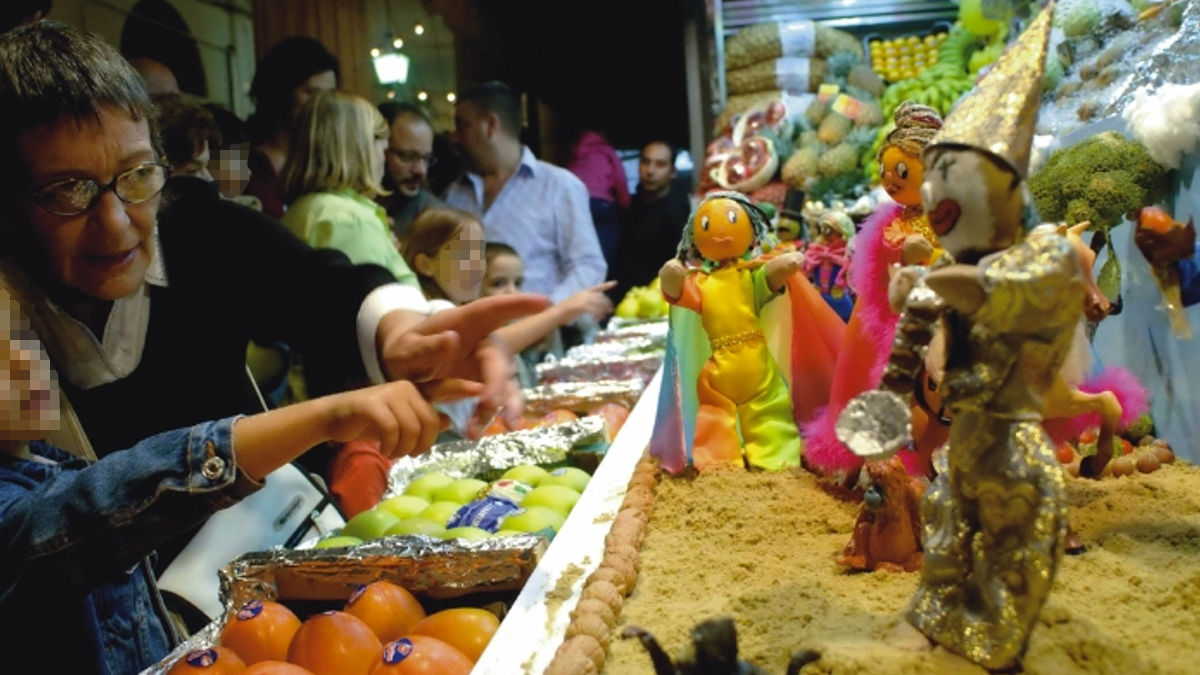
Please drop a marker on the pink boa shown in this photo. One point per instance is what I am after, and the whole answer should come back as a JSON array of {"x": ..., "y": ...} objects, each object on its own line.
[
  {"x": 877, "y": 326},
  {"x": 1129, "y": 391}
]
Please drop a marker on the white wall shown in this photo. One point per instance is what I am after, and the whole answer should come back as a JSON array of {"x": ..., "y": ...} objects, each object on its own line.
[{"x": 224, "y": 31}]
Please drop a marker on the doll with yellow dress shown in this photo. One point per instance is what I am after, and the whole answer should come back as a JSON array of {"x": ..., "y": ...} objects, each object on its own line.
[
  {"x": 744, "y": 409},
  {"x": 898, "y": 233}
]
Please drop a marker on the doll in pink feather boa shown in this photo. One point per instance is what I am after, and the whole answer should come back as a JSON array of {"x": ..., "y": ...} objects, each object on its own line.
[{"x": 898, "y": 233}]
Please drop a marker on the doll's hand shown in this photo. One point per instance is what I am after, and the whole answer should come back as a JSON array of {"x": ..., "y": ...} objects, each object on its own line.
[
  {"x": 396, "y": 414},
  {"x": 779, "y": 268},
  {"x": 900, "y": 282},
  {"x": 671, "y": 277},
  {"x": 916, "y": 250},
  {"x": 590, "y": 300}
]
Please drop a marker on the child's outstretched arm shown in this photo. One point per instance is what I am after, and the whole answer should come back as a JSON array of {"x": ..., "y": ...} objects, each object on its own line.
[
  {"x": 396, "y": 414},
  {"x": 524, "y": 333}
]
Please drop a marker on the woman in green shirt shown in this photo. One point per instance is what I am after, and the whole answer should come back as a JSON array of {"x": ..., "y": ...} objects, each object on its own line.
[{"x": 332, "y": 177}]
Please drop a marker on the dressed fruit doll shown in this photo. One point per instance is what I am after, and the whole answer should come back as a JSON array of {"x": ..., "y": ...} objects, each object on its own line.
[
  {"x": 825, "y": 261},
  {"x": 744, "y": 414},
  {"x": 898, "y": 233}
]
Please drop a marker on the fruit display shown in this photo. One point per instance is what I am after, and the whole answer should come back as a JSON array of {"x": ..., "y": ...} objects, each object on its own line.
[
  {"x": 383, "y": 629},
  {"x": 643, "y": 302},
  {"x": 940, "y": 84},
  {"x": 1147, "y": 456},
  {"x": 903, "y": 57}
]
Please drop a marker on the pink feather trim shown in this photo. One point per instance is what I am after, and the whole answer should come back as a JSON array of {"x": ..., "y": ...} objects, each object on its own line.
[
  {"x": 869, "y": 270},
  {"x": 823, "y": 452},
  {"x": 1129, "y": 391}
]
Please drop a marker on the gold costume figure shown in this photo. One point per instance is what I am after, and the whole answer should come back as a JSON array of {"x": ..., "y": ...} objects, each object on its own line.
[{"x": 995, "y": 516}]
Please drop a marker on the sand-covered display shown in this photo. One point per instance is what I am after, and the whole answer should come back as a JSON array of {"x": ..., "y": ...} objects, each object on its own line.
[{"x": 762, "y": 548}]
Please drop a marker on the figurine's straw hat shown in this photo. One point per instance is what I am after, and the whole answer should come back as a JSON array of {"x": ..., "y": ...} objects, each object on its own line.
[{"x": 999, "y": 115}]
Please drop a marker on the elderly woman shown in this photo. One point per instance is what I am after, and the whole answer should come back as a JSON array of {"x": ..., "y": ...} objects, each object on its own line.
[{"x": 145, "y": 307}]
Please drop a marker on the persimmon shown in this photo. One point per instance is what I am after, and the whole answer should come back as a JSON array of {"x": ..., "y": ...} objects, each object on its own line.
[
  {"x": 276, "y": 668},
  {"x": 334, "y": 643},
  {"x": 1065, "y": 453},
  {"x": 260, "y": 631},
  {"x": 1154, "y": 218},
  {"x": 421, "y": 655},
  {"x": 614, "y": 415},
  {"x": 556, "y": 416},
  {"x": 389, "y": 610},
  {"x": 497, "y": 426},
  {"x": 209, "y": 661},
  {"x": 467, "y": 629}
]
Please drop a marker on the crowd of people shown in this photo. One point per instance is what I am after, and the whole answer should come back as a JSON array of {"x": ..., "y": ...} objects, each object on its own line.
[{"x": 167, "y": 266}]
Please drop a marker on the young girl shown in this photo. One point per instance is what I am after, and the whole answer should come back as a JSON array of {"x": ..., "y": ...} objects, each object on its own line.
[
  {"x": 445, "y": 248},
  {"x": 332, "y": 177},
  {"x": 77, "y": 535}
]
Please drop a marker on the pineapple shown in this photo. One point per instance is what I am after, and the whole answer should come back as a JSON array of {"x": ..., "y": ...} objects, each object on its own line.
[
  {"x": 840, "y": 159},
  {"x": 800, "y": 167},
  {"x": 833, "y": 128},
  {"x": 816, "y": 111}
]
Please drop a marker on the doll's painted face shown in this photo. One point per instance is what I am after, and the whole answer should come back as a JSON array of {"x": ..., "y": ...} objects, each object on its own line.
[
  {"x": 722, "y": 229},
  {"x": 901, "y": 175},
  {"x": 787, "y": 230},
  {"x": 973, "y": 201}
]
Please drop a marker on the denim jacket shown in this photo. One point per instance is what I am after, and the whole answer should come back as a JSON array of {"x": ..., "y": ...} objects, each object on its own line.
[{"x": 76, "y": 588}]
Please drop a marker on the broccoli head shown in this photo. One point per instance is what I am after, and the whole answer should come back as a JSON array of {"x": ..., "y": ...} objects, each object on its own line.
[{"x": 1102, "y": 179}]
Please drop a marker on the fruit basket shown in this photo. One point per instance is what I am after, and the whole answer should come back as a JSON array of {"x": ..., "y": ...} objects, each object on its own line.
[{"x": 901, "y": 57}]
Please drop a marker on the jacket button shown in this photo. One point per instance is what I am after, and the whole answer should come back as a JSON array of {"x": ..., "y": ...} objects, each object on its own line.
[{"x": 213, "y": 468}]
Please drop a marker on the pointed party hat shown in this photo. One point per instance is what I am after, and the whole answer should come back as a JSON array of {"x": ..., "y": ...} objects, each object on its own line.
[{"x": 999, "y": 115}]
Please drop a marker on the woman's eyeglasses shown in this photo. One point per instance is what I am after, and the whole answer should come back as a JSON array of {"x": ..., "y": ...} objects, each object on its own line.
[{"x": 73, "y": 196}]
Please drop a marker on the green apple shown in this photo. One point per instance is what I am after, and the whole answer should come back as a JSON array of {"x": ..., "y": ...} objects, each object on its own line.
[
  {"x": 508, "y": 533},
  {"x": 529, "y": 474},
  {"x": 440, "y": 512},
  {"x": 404, "y": 506},
  {"x": 463, "y": 490},
  {"x": 338, "y": 541},
  {"x": 466, "y": 533},
  {"x": 557, "y": 497},
  {"x": 370, "y": 524},
  {"x": 417, "y": 526},
  {"x": 570, "y": 476},
  {"x": 423, "y": 486},
  {"x": 533, "y": 519}
]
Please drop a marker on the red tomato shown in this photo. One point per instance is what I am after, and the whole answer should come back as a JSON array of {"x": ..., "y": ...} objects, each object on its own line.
[
  {"x": 210, "y": 661},
  {"x": 1065, "y": 453},
  {"x": 467, "y": 629},
  {"x": 421, "y": 655},
  {"x": 390, "y": 610},
  {"x": 1088, "y": 436},
  {"x": 260, "y": 631},
  {"x": 334, "y": 643}
]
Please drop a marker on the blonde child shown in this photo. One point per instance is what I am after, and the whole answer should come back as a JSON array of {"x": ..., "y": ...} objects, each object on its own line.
[{"x": 77, "y": 535}]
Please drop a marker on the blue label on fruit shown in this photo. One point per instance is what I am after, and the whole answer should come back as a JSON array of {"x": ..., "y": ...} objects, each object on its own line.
[
  {"x": 201, "y": 658},
  {"x": 357, "y": 593},
  {"x": 250, "y": 610},
  {"x": 485, "y": 514},
  {"x": 397, "y": 651}
]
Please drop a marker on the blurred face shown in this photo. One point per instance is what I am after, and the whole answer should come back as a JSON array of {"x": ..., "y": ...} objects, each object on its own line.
[
  {"x": 472, "y": 131},
  {"x": 973, "y": 203},
  {"x": 196, "y": 167},
  {"x": 229, "y": 167},
  {"x": 28, "y": 391},
  {"x": 722, "y": 229},
  {"x": 656, "y": 168},
  {"x": 901, "y": 175},
  {"x": 104, "y": 251},
  {"x": 459, "y": 265},
  {"x": 505, "y": 275},
  {"x": 409, "y": 149},
  {"x": 323, "y": 81}
]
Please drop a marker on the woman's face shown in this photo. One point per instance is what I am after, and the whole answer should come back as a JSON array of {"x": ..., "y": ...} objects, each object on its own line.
[
  {"x": 323, "y": 81},
  {"x": 460, "y": 265},
  {"x": 103, "y": 252},
  {"x": 505, "y": 275}
]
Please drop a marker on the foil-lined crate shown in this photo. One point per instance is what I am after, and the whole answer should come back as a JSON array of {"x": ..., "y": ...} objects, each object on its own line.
[
  {"x": 492, "y": 455},
  {"x": 582, "y": 397},
  {"x": 639, "y": 366},
  {"x": 655, "y": 331},
  {"x": 627, "y": 346},
  {"x": 429, "y": 568}
]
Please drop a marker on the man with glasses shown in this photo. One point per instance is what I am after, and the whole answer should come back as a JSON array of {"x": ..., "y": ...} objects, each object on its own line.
[{"x": 409, "y": 157}]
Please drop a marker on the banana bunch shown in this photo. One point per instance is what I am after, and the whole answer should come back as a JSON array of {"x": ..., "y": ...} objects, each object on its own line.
[{"x": 940, "y": 85}]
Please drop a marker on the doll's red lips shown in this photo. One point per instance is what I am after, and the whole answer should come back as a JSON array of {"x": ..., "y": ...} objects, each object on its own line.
[{"x": 944, "y": 216}]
